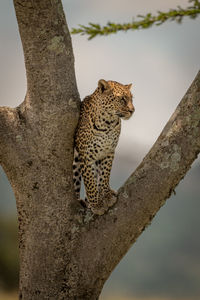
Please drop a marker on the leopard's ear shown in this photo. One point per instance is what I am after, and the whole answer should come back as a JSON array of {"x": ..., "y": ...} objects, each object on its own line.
[
  {"x": 103, "y": 85},
  {"x": 129, "y": 86}
]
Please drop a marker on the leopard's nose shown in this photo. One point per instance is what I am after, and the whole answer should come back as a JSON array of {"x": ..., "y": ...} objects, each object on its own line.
[{"x": 132, "y": 109}]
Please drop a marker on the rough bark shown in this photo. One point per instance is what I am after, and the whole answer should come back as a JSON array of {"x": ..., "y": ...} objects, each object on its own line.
[
  {"x": 65, "y": 251},
  {"x": 6, "y": 128}
]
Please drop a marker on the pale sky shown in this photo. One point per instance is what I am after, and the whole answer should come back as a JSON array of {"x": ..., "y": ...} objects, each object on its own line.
[{"x": 161, "y": 62}]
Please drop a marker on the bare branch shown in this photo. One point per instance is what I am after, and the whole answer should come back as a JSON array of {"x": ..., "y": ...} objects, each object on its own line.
[
  {"x": 147, "y": 189},
  {"x": 48, "y": 52}
]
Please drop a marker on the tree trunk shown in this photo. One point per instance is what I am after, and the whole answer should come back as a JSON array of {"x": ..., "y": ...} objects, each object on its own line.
[{"x": 66, "y": 252}]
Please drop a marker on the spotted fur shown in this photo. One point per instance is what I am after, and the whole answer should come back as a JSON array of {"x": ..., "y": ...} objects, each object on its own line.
[{"x": 96, "y": 138}]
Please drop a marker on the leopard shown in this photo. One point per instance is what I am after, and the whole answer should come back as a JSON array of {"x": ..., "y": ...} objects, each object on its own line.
[{"x": 96, "y": 138}]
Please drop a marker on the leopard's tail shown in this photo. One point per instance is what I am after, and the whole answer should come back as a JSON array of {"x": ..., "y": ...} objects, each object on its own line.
[{"x": 77, "y": 174}]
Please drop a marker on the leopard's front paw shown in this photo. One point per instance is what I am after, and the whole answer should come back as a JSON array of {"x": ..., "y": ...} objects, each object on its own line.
[
  {"x": 98, "y": 208},
  {"x": 110, "y": 197}
]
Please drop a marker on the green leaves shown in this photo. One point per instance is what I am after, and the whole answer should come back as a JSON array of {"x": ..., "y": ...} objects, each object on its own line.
[{"x": 146, "y": 21}]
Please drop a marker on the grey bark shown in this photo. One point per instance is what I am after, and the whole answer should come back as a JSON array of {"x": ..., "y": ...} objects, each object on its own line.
[{"x": 65, "y": 251}]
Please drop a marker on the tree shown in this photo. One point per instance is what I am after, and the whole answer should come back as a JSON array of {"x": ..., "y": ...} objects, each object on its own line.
[{"x": 58, "y": 239}]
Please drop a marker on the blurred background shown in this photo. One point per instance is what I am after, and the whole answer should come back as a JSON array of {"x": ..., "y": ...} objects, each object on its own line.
[{"x": 161, "y": 62}]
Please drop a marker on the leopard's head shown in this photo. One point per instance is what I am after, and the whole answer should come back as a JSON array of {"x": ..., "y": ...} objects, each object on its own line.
[{"x": 116, "y": 98}]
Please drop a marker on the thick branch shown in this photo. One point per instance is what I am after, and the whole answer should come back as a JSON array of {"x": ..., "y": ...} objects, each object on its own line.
[
  {"x": 146, "y": 190},
  {"x": 50, "y": 111},
  {"x": 48, "y": 52}
]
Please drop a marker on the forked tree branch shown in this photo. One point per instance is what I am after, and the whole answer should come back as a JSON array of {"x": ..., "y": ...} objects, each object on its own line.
[{"x": 147, "y": 189}]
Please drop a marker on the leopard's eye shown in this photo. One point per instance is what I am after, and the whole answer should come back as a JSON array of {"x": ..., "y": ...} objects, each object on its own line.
[{"x": 123, "y": 100}]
